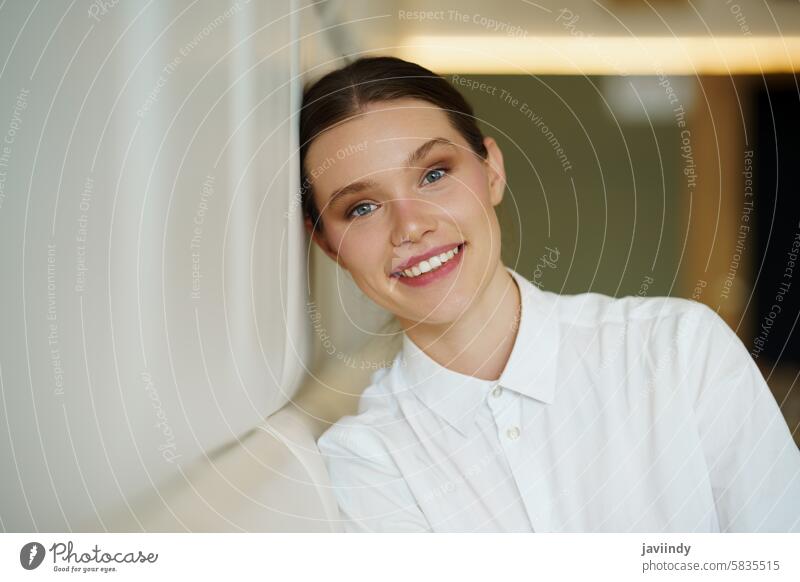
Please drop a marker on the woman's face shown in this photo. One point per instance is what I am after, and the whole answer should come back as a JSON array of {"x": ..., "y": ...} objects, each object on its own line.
[{"x": 396, "y": 183}]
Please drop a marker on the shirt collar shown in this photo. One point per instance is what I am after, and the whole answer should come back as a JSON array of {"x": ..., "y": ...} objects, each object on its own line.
[{"x": 530, "y": 370}]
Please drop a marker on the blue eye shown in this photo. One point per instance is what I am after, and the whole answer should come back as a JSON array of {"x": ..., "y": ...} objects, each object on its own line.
[
  {"x": 438, "y": 173},
  {"x": 354, "y": 214}
]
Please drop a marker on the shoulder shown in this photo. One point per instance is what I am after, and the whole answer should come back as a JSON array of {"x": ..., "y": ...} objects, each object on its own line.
[
  {"x": 349, "y": 436},
  {"x": 592, "y": 309},
  {"x": 356, "y": 453},
  {"x": 363, "y": 434}
]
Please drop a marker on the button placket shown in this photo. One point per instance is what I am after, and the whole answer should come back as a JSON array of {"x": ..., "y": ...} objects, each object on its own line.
[{"x": 506, "y": 415}]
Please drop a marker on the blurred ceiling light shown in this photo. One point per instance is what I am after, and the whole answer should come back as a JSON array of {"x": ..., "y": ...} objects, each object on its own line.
[{"x": 589, "y": 55}]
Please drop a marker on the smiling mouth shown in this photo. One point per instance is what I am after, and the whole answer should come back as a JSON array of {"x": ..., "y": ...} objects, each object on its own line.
[{"x": 429, "y": 265}]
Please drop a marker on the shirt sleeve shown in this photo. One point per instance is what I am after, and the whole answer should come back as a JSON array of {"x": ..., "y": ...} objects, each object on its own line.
[
  {"x": 372, "y": 494},
  {"x": 754, "y": 464}
]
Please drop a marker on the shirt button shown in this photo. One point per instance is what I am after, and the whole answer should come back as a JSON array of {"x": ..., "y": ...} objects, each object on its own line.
[
  {"x": 513, "y": 433},
  {"x": 497, "y": 391}
]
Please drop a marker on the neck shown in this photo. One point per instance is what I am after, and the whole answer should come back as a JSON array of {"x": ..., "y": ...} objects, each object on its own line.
[{"x": 479, "y": 343}]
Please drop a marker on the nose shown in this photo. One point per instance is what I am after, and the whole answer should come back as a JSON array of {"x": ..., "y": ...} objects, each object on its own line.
[{"x": 411, "y": 219}]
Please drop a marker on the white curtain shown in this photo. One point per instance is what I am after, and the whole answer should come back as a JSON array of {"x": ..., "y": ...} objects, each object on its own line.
[{"x": 153, "y": 260}]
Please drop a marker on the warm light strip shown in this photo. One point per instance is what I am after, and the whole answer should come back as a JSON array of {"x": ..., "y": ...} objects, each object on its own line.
[{"x": 568, "y": 55}]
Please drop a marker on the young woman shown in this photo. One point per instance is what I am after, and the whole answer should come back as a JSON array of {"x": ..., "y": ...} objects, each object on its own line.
[{"x": 510, "y": 408}]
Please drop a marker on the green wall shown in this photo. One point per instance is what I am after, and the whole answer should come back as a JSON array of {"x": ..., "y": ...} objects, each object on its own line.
[{"x": 607, "y": 203}]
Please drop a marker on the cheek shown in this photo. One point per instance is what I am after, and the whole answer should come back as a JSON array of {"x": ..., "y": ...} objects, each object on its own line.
[
  {"x": 469, "y": 203},
  {"x": 360, "y": 249},
  {"x": 474, "y": 188}
]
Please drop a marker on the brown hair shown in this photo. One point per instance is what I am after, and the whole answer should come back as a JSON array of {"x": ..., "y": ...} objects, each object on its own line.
[{"x": 345, "y": 92}]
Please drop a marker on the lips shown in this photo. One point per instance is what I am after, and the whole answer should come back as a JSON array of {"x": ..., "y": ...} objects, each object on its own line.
[
  {"x": 424, "y": 256},
  {"x": 430, "y": 277}
]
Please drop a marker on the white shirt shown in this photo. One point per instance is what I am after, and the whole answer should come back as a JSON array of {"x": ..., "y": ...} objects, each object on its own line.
[{"x": 612, "y": 414}]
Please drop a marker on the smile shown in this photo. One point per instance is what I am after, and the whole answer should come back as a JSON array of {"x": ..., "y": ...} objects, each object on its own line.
[
  {"x": 430, "y": 264},
  {"x": 432, "y": 268}
]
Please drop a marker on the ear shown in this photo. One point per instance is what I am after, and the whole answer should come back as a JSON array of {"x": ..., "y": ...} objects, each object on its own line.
[
  {"x": 496, "y": 170},
  {"x": 319, "y": 238}
]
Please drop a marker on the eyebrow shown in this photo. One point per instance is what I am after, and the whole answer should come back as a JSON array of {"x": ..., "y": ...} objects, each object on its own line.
[{"x": 412, "y": 159}]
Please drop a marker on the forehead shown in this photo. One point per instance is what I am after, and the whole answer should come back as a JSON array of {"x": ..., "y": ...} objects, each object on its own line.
[{"x": 378, "y": 139}]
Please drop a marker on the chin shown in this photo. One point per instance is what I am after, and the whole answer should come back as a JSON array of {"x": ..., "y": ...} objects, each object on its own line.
[{"x": 442, "y": 312}]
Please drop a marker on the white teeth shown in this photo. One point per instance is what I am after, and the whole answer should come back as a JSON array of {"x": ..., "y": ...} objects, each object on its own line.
[{"x": 430, "y": 264}]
